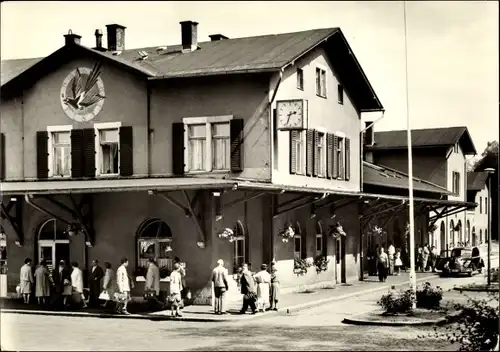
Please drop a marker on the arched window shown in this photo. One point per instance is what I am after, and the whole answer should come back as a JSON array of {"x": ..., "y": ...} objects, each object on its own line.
[
  {"x": 154, "y": 240},
  {"x": 481, "y": 235},
  {"x": 452, "y": 233},
  {"x": 297, "y": 242},
  {"x": 468, "y": 232},
  {"x": 53, "y": 242},
  {"x": 474, "y": 236},
  {"x": 320, "y": 240},
  {"x": 240, "y": 246},
  {"x": 442, "y": 236},
  {"x": 486, "y": 235},
  {"x": 459, "y": 226}
]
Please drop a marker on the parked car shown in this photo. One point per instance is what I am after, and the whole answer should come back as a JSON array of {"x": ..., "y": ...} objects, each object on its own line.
[{"x": 460, "y": 260}]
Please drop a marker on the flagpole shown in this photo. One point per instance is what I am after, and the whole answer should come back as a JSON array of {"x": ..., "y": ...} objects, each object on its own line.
[{"x": 413, "y": 278}]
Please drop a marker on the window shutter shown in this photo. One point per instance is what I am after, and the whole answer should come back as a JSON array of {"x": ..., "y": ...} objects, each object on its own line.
[
  {"x": 347, "y": 159},
  {"x": 77, "y": 159},
  {"x": 42, "y": 154},
  {"x": 236, "y": 127},
  {"x": 126, "y": 151},
  {"x": 317, "y": 157},
  {"x": 310, "y": 152},
  {"x": 341, "y": 173},
  {"x": 294, "y": 134},
  {"x": 329, "y": 155},
  {"x": 178, "y": 148},
  {"x": 89, "y": 152},
  {"x": 335, "y": 171},
  {"x": 2, "y": 156},
  {"x": 303, "y": 247}
]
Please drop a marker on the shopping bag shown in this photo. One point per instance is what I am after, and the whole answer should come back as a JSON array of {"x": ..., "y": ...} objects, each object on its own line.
[{"x": 104, "y": 296}]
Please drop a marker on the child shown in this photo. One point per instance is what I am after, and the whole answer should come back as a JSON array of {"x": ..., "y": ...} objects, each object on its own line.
[{"x": 397, "y": 262}]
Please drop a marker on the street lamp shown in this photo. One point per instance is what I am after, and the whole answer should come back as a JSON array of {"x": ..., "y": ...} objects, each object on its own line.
[{"x": 490, "y": 171}]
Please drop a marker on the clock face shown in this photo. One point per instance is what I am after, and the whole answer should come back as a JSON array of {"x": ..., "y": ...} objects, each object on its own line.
[
  {"x": 290, "y": 114},
  {"x": 82, "y": 93}
]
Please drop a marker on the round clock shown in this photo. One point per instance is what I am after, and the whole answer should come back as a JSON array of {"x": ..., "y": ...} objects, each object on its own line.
[{"x": 82, "y": 93}]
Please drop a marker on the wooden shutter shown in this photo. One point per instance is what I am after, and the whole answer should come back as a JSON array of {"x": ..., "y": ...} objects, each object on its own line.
[
  {"x": 236, "y": 130},
  {"x": 347, "y": 159},
  {"x": 126, "y": 151},
  {"x": 310, "y": 152},
  {"x": 303, "y": 246},
  {"x": 42, "y": 154},
  {"x": 335, "y": 171},
  {"x": 341, "y": 173},
  {"x": 329, "y": 155},
  {"x": 77, "y": 159},
  {"x": 2, "y": 156},
  {"x": 293, "y": 151},
  {"x": 89, "y": 152},
  {"x": 178, "y": 148},
  {"x": 317, "y": 157}
]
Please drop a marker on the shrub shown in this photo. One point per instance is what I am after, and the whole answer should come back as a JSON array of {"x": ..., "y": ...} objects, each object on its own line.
[
  {"x": 396, "y": 302},
  {"x": 300, "y": 266},
  {"x": 321, "y": 263},
  {"x": 475, "y": 327},
  {"x": 494, "y": 275},
  {"x": 429, "y": 297}
]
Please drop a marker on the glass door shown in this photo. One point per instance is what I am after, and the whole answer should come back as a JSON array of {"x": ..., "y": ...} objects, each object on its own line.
[{"x": 47, "y": 253}]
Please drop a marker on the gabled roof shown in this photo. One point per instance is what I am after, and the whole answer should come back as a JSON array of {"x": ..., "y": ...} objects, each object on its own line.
[
  {"x": 383, "y": 176},
  {"x": 476, "y": 181},
  {"x": 425, "y": 138},
  {"x": 266, "y": 53}
]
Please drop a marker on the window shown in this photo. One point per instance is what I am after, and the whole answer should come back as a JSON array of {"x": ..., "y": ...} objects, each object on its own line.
[
  {"x": 486, "y": 235},
  {"x": 340, "y": 92},
  {"x": 154, "y": 240},
  {"x": 320, "y": 155},
  {"x": 107, "y": 140},
  {"x": 297, "y": 242},
  {"x": 455, "y": 148},
  {"x": 340, "y": 158},
  {"x": 300, "y": 79},
  {"x": 53, "y": 243},
  {"x": 240, "y": 243},
  {"x": 320, "y": 249},
  {"x": 59, "y": 151},
  {"x": 3, "y": 251},
  {"x": 320, "y": 82},
  {"x": 456, "y": 183},
  {"x": 485, "y": 205},
  {"x": 481, "y": 235},
  {"x": 298, "y": 150},
  {"x": 480, "y": 205},
  {"x": 208, "y": 144}
]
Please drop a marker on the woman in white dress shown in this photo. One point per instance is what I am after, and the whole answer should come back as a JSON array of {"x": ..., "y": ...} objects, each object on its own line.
[
  {"x": 77, "y": 284},
  {"x": 263, "y": 280},
  {"x": 26, "y": 280},
  {"x": 124, "y": 285}
]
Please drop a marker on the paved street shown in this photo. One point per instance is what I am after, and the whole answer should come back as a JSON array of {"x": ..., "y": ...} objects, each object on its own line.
[{"x": 317, "y": 328}]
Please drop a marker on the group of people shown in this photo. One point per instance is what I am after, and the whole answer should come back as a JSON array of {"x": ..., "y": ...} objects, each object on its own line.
[{"x": 260, "y": 290}]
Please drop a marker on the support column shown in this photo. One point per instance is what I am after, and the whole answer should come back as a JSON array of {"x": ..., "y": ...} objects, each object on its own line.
[{"x": 268, "y": 203}]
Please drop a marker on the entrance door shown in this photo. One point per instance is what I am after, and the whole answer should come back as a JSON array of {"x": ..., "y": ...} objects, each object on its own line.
[
  {"x": 53, "y": 251},
  {"x": 338, "y": 260}
]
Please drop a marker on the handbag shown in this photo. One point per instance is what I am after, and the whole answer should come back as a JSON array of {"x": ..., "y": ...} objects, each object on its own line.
[
  {"x": 251, "y": 296},
  {"x": 104, "y": 296}
]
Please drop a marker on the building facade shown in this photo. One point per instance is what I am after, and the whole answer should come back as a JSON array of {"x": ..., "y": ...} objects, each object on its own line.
[{"x": 477, "y": 218}]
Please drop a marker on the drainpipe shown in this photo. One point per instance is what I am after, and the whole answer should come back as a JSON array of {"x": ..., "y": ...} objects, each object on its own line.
[
  {"x": 361, "y": 159},
  {"x": 28, "y": 200}
]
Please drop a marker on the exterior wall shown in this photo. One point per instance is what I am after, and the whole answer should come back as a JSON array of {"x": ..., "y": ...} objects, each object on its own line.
[
  {"x": 325, "y": 113},
  {"x": 478, "y": 218},
  {"x": 40, "y": 106},
  {"x": 243, "y": 96}
]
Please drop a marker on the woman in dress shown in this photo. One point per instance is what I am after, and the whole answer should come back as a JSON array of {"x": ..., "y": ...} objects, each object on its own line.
[
  {"x": 124, "y": 285},
  {"x": 26, "y": 280},
  {"x": 263, "y": 280},
  {"x": 382, "y": 265},
  {"x": 398, "y": 263},
  {"x": 109, "y": 283},
  {"x": 42, "y": 283},
  {"x": 77, "y": 284},
  {"x": 275, "y": 287}
]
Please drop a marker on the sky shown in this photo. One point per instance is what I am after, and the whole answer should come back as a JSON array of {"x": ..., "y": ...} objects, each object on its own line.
[{"x": 453, "y": 46}]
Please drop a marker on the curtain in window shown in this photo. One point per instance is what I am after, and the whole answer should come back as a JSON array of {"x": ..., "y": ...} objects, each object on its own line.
[
  {"x": 197, "y": 154},
  {"x": 221, "y": 153},
  {"x": 62, "y": 160}
]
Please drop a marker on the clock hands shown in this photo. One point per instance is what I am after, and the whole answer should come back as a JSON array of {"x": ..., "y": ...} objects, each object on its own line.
[{"x": 290, "y": 115}]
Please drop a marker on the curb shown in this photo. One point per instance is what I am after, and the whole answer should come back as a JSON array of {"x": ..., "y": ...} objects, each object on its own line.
[
  {"x": 476, "y": 289},
  {"x": 311, "y": 304},
  {"x": 422, "y": 322}
]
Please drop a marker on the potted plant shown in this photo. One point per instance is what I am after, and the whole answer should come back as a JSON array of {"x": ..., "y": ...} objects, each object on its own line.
[
  {"x": 300, "y": 266},
  {"x": 226, "y": 234},
  {"x": 321, "y": 263},
  {"x": 337, "y": 230},
  {"x": 287, "y": 233}
]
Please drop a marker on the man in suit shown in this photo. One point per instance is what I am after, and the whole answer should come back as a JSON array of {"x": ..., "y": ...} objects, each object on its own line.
[
  {"x": 96, "y": 275},
  {"x": 61, "y": 277},
  {"x": 219, "y": 278},
  {"x": 248, "y": 290}
]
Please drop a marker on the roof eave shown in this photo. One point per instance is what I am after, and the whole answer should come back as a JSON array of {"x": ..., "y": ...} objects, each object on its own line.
[
  {"x": 214, "y": 73},
  {"x": 406, "y": 188}
]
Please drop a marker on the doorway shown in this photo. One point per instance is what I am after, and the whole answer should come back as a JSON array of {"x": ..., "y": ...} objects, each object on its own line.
[
  {"x": 442, "y": 238},
  {"x": 339, "y": 260},
  {"x": 53, "y": 243}
]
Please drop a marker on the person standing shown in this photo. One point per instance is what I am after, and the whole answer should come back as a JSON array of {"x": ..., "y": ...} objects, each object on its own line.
[
  {"x": 42, "y": 283},
  {"x": 152, "y": 279},
  {"x": 382, "y": 265},
  {"x": 109, "y": 283},
  {"x": 221, "y": 286},
  {"x": 26, "y": 280},
  {"x": 425, "y": 257},
  {"x": 77, "y": 284},
  {"x": 263, "y": 280},
  {"x": 175, "y": 290},
  {"x": 275, "y": 287},
  {"x": 248, "y": 290},
  {"x": 96, "y": 275},
  {"x": 182, "y": 271},
  {"x": 390, "y": 254},
  {"x": 62, "y": 283},
  {"x": 398, "y": 263},
  {"x": 123, "y": 283}
]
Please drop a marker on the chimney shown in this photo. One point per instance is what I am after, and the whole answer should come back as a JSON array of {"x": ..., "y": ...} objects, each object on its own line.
[
  {"x": 70, "y": 38},
  {"x": 98, "y": 40},
  {"x": 216, "y": 37},
  {"x": 369, "y": 134},
  {"x": 116, "y": 37},
  {"x": 189, "y": 32}
]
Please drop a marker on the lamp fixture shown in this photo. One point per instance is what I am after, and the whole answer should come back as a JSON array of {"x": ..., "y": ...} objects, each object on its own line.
[
  {"x": 216, "y": 194},
  {"x": 200, "y": 244},
  {"x": 313, "y": 212},
  {"x": 235, "y": 187},
  {"x": 168, "y": 249}
]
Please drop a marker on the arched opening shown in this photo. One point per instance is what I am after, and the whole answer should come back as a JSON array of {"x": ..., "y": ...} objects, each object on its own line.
[
  {"x": 154, "y": 241},
  {"x": 321, "y": 248},
  {"x": 480, "y": 235},
  {"x": 298, "y": 243},
  {"x": 459, "y": 230},
  {"x": 468, "y": 239},
  {"x": 486, "y": 235},
  {"x": 52, "y": 243},
  {"x": 452, "y": 233},
  {"x": 474, "y": 236},
  {"x": 240, "y": 246},
  {"x": 442, "y": 236}
]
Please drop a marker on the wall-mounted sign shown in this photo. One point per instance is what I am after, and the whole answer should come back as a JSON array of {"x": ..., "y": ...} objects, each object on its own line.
[
  {"x": 291, "y": 114},
  {"x": 82, "y": 93}
]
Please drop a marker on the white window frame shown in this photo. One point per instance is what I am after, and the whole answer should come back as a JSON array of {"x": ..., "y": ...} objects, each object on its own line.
[
  {"x": 239, "y": 242},
  {"x": 98, "y": 127},
  {"x": 300, "y": 82},
  {"x": 208, "y": 121},
  {"x": 341, "y": 148},
  {"x": 50, "y": 131},
  {"x": 320, "y": 250},
  {"x": 300, "y": 153},
  {"x": 299, "y": 253},
  {"x": 323, "y": 82},
  {"x": 322, "y": 158}
]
